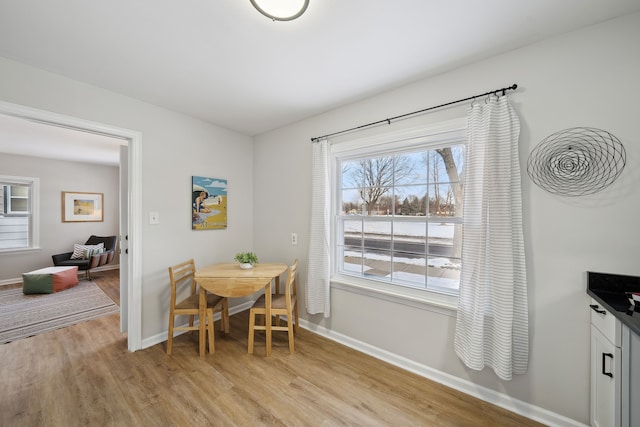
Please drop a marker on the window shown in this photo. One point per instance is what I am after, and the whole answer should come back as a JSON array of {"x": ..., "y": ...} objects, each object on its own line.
[
  {"x": 18, "y": 213},
  {"x": 398, "y": 213}
]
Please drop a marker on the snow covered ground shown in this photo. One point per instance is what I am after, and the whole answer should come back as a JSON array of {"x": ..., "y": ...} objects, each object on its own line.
[
  {"x": 443, "y": 273},
  {"x": 410, "y": 229}
]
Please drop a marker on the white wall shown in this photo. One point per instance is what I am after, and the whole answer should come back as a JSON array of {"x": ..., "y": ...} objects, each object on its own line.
[
  {"x": 586, "y": 78},
  {"x": 55, "y": 236},
  {"x": 174, "y": 147}
]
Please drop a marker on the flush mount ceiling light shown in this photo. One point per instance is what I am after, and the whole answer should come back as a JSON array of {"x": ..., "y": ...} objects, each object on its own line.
[{"x": 281, "y": 10}]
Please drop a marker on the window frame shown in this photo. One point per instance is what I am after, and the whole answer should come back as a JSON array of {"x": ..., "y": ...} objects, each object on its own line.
[
  {"x": 33, "y": 213},
  {"x": 432, "y": 135}
]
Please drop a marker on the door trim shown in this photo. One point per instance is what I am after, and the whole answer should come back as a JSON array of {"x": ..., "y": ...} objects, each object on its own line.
[{"x": 134, "y": 283}]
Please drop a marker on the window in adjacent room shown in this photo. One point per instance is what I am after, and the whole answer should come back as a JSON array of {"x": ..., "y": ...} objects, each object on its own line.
[
  {"x": 18, "y": 213},
  {"x": 398, "y": 214}
]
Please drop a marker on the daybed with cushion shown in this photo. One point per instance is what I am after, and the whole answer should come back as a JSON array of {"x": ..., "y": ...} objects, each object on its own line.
[{"x": 96, "y": 252}]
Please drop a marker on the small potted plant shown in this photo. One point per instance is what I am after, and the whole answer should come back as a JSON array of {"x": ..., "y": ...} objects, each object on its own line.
[{"x": 246, "y": 259}]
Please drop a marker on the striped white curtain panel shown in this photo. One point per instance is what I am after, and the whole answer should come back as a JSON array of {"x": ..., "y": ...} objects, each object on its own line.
[
  {"x": 317, "y": 295},
  {"x": 492, "y": 324}
]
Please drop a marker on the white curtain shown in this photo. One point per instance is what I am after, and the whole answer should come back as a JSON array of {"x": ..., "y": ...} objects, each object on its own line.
[
  {"x": 492, "y": 325},
  {"x": 318, "y": 271}
]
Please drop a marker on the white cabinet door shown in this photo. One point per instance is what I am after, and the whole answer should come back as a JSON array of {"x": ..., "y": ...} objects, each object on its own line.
[
  {"x": 631, "y": 402},
  {"x": 605, "y": 384}
]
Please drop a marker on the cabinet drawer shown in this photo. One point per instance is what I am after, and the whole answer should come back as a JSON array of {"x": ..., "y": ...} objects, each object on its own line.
[{"x": 607, "y": 324}]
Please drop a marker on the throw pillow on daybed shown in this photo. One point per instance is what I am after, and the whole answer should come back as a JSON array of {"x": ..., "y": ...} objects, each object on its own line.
[{"x": 86, "y": 251}]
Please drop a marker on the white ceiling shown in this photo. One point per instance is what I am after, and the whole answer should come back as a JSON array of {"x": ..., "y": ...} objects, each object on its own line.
[
  {"x": 28, "y": 138},
  {"x": 223, "y": 62}
]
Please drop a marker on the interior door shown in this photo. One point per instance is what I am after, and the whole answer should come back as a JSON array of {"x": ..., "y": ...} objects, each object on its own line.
[{"x": 124, "y": 238}]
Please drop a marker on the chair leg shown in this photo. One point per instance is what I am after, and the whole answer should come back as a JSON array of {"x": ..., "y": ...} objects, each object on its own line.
[
  {"x": 191, "y": 320},
  {"x": 252, "y": 324},
  {"x": 210, "y": 329},
  {"x": 295, "y": 316},
  {"x": 290, "y": 332},
  {"x": 170, "y": 337}
]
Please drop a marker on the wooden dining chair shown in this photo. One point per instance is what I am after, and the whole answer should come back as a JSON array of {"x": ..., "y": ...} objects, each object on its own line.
[
  {"x": 281, "y": 304},
  {"x": 182, "y": 277}
]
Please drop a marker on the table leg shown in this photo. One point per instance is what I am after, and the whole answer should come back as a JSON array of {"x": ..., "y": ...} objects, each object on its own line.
[
  {"x": 203, "y": 321},
  {"x": 267, "y": 317},
  {"x": 277, "y": 291}
]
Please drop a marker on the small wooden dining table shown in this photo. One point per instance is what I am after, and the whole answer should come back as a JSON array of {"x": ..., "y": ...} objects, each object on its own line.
[{"x": 231, "y": 281}]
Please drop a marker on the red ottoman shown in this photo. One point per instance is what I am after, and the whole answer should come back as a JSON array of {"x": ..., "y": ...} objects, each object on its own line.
[{"x": 49, "y": 280}]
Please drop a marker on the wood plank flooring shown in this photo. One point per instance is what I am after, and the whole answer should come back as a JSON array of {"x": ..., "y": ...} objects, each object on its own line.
[{"x": 83, "y": 375}]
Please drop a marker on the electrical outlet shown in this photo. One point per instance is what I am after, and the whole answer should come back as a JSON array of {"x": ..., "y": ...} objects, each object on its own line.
[
  {"x": 154, "y": 218},
  {"x": 294, "y": 238}
]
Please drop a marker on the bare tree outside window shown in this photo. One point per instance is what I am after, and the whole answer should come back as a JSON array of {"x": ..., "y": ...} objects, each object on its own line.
[
  {"x": 457, "y": 190},
  {"x": 374, "y": 178},
  {"x": 409, "y": 226},
  {"x": 454, "y": 179}
]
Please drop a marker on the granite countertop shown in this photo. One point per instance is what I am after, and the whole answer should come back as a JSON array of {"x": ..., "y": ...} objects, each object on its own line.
[{"x": 609, "y": 290}]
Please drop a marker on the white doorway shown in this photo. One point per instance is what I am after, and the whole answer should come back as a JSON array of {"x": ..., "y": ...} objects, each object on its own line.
[
  {"x": 130, "y": 212},
  {"x": 123, "y": 223}
]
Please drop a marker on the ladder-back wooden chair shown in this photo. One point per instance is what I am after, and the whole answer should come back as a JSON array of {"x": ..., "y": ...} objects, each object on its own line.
[
  {"x": 182, "y": 277},
  {"x": 281, "y": 304}
]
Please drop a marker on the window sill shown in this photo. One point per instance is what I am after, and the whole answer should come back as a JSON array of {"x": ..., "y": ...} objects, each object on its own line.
[
  {"x": 19, "y": 250},
  {"x": 431, "y": 301}
]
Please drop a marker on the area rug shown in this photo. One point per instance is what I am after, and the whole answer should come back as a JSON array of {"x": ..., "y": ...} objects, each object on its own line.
[{"x": 23, "y": 316}]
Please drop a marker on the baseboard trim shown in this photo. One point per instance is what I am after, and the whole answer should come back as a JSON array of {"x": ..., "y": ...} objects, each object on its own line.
[{"x": 502, "y": 400}]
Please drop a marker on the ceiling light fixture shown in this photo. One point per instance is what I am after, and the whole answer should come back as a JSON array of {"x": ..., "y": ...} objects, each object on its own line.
[{"x": 281, "y": 10}]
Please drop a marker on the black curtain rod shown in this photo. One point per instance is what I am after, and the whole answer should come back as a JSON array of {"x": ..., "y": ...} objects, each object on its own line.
[{"x": 389, "y": 120}]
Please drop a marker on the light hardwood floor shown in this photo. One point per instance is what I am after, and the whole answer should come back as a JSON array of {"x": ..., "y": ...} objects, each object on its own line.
[{"x": 83, "y": 375}]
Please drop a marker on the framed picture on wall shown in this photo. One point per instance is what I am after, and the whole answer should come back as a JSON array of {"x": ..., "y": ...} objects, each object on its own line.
[
  {"x": 208, "y": 203},
  {"x": 82, "y": 207}
]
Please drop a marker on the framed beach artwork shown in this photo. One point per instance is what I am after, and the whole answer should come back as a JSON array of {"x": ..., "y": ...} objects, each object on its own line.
[
  {"x": 208, "y": 203},
  {"x": 82, "y": 207}
]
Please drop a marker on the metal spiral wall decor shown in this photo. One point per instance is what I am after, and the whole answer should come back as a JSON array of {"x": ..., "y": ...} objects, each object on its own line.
[{"x": 576, "y": 161}]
